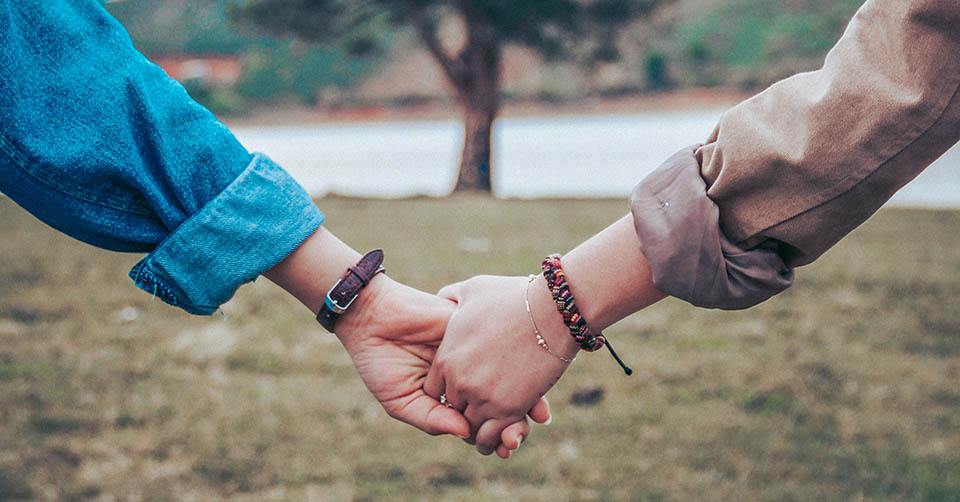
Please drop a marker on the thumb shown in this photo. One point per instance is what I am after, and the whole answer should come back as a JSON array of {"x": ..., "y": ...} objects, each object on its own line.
[
  {"x": 452, "y": 292},
  {"x": 428, "y": 415},
  {"x": 445, "y": 420}
]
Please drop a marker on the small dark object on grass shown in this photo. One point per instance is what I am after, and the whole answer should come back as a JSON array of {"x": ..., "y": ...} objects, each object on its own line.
[
  {"x": 26, "y": 314},
  {"x": 587, "y": 396}
]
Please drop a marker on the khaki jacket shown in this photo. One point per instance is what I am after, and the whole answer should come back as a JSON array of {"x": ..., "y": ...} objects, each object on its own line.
[{"x": 786, "y": 174}]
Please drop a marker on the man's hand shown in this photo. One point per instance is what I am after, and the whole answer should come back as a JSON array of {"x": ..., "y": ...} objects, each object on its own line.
[
  {"x": 490, "y": 365},
  {"x": 392, "y": 333}
]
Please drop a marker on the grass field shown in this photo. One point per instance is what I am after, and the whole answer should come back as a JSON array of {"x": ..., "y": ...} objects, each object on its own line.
[{"x": 846, "y": 387}]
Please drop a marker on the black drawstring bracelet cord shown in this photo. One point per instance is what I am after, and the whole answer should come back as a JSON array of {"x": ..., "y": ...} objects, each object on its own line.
[
  {"x": 626, "y": 369},
  {"x": 567, "y": 306}
]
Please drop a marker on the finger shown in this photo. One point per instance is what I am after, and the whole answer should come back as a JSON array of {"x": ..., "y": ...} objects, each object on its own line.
[
  {"x": 503, "y": 452},
  {"x": 434, "y": 383},
  {"x": 428, "y": 415},
  {"x": 488, "y": 436},
  {"x": 514, "y": 434},
  {"x": 474, "y": 424},
  {"x": 540, "y": 413}
]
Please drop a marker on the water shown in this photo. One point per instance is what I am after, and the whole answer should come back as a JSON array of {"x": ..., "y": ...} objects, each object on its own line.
[{"x": 564, "y": 156}]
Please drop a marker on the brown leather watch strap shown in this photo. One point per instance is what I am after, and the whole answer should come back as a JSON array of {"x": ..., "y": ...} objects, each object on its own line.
[{"x": 346, "y": 290}]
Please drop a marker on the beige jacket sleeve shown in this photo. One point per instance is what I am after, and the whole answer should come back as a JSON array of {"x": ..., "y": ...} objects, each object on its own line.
[{"x": 786, "y": 174}]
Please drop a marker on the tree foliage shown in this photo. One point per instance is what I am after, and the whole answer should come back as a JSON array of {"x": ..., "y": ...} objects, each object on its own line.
[{"x": 556, "y": 28}]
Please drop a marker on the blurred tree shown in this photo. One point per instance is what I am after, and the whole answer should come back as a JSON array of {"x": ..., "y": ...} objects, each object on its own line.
[{"x": 555, "y": 28}]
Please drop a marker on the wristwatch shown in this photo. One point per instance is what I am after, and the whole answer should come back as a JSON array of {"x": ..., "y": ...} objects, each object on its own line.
[{"x": 348, "y": 287}]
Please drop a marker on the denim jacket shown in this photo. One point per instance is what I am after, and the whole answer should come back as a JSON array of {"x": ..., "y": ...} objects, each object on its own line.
[{"x": 101, "y": 144}]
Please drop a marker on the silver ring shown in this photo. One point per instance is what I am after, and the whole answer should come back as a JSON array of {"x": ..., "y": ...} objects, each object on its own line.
[{"x": 444, "y": 401}]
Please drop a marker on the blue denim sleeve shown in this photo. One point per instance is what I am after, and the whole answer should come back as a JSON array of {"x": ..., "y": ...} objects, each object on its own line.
[{"x": 101, "y": 144}]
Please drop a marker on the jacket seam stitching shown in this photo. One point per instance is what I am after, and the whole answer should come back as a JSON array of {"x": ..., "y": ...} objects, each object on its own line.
[{"x": 82, "y": 195}]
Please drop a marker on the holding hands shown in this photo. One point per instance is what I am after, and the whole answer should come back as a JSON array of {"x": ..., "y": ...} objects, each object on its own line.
[
  {"x": 392, "y": 338},
  {"x": 504, "y": 342},
  {"x": 392, "y": 333}
]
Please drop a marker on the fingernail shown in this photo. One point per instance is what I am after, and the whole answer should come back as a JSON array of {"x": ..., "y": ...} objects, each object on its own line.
[
  {"x": 519, "y": 440},
  {"x": 549, "y": 420}
]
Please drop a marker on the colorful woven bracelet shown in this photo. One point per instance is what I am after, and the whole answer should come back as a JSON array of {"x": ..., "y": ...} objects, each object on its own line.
[{"x": 567, "y": 306}]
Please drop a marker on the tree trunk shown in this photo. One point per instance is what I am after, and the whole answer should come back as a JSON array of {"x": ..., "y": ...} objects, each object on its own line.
[
  {"x": 478, "y": 87},
  {"x": 475, "y": 162},
  {"x": 475, "y": 75}
]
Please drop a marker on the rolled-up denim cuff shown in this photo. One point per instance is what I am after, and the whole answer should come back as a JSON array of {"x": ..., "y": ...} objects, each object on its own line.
[
  {"x": 679, "y": 230},
  {"x": 248, "y": 228}
]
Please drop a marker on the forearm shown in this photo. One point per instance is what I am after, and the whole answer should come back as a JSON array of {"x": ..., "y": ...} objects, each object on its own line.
[
  {"x": 609, "y": 276},
  {"x": 310, "y": 270}
]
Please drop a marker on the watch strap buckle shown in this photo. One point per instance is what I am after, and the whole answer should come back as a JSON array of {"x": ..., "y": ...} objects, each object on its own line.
[{"x": 349, "y": 286}]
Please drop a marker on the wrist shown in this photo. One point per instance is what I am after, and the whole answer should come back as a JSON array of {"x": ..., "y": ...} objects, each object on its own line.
[
  {"x": 366, "y": 309},
  {"x": 560, "y": 290},
  {"x": 609, "y": 276},
  {"x": 310, "y": 271},
  {"x": 589, "y": 297},
  {"x": 549, "y": 320}
]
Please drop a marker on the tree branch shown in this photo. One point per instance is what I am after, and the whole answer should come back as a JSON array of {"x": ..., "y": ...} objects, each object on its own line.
[{"x": 427, "y": 30}]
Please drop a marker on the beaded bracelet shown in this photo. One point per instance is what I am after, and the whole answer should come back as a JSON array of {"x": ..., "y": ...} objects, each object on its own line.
[{"x": 567, "y": 306}]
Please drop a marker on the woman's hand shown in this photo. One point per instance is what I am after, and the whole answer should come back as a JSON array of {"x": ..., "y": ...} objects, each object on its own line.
[{"x": 490, "y": 365}]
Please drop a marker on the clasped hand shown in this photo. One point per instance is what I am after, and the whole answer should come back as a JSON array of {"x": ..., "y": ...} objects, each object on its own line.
[
  {"x": 488, "y": 367},
  {"x": 489, "y": 375}
]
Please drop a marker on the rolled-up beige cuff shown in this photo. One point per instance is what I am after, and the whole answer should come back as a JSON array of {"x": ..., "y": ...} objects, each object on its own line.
[{"x": 691, "y": 258}]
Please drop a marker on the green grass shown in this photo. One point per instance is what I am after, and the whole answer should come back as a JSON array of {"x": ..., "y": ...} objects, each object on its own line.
[{"x": 844, "y": 387}]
